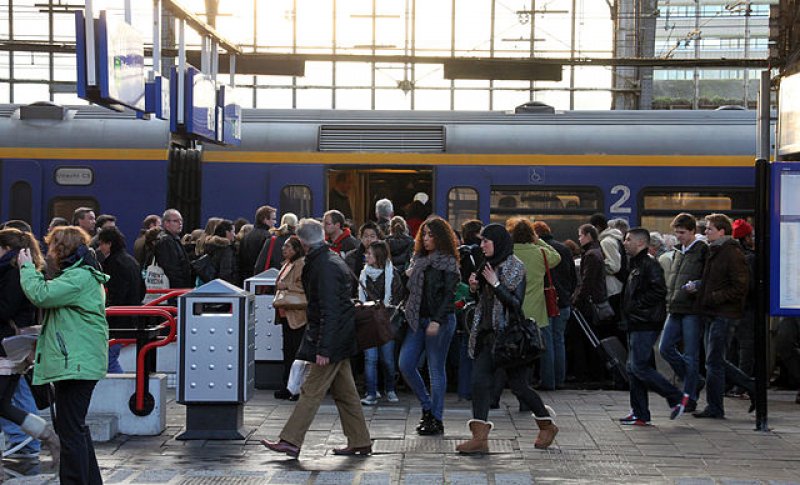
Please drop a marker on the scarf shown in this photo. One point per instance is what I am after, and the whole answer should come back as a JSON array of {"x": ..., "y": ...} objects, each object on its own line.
[
  {"x": 82, "y": 253},
  {"x": 436, "y": 260},
  {"x": 510, "y": 273},
  {"x": 503, "y": 245},
  {"x": 373, "y": 274},
  {"x": 337, "y": 244}
]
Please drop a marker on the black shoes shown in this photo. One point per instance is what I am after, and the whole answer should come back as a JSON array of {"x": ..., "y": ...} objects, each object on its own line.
[
  {"x": 428, "y": 425},
  {"x": 282, "y": 394},
  {"x": 706, "y": 413},
  {"x": 427, "y": 416}
]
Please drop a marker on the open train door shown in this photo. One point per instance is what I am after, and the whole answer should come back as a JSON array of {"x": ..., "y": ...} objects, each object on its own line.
[{"x": 21, "y": 192}]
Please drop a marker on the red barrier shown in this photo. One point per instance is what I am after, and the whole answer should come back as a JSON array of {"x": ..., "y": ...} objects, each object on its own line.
[
  {"x": 167, "y": 294},
  {"x": 168, "y": 313}
]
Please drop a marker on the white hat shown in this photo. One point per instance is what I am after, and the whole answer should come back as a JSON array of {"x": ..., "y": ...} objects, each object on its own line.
[{"x": 422, "y": 197}]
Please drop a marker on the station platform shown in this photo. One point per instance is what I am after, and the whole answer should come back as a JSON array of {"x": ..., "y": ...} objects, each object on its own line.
[{"x": 592, "y": 447}]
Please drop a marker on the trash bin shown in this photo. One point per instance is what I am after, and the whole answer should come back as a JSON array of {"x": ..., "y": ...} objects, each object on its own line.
[
  {"x": 269, "y": 337},
  {"x": 216, "y": 359}
]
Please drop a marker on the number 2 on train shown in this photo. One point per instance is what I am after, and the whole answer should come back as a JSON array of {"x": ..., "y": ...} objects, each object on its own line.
[{"x": 625, "y": 194}]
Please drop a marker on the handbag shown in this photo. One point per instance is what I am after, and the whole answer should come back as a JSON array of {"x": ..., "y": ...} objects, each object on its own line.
[
  {"x": 290, "y": 300},
  {"x": 550, "y": 295},
  {"x": 204, "y": 268},
  {"x": 520, "y": 343},
  {"x": 602, "y": 311},
  {"x": 373, "y": 322},
  {"x": 155, "y": 278}
]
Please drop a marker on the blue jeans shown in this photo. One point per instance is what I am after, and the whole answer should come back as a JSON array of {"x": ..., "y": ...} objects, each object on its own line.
[
  {"x": 23, "y": 399},
  {"x": 553, "y": 361},
  {"x": 718, "y": 369},
  {"x": 688, "y": 329},
  {"x": 386, "y": 352},
  {"x": 464, "y": 368},
  {"x": 644, "y": 376},
  {"x": 435, "y": 349},
  {"x": 113, "y": 360}
]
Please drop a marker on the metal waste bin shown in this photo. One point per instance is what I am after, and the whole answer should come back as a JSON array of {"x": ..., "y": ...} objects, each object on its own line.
[
  {"x": 269, "y": 337},
  {"x": 216, "y": 360}
]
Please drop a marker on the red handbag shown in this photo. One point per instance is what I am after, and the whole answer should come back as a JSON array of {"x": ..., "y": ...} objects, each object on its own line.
[{"x": 550, "y": 295}]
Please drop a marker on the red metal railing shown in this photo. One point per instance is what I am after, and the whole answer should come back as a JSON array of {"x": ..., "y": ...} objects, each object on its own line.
[
  {"x": 167, "y": 294},
  {"x": 168, "y": 313}
]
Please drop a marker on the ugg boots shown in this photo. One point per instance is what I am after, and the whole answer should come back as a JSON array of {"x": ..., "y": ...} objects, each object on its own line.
[
  {"x": 38, "y": 428},
  {"x": 479, "y": 444},
  {"x": 547, "y": 429}
]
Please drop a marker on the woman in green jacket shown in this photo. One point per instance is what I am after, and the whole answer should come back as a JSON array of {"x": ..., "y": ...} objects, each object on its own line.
[{"x": 72, "y": 350}]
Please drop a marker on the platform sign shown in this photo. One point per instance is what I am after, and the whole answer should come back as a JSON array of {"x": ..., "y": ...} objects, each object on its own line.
[
  {"x": 789, "y": 117},
  {"x": 231, "y": 116},
  {"x": 785, "y": 239},
  {"x": 119, "y": 62},
  {"x": 200, "y": 105},
  {"x": 157, "y": 97}
]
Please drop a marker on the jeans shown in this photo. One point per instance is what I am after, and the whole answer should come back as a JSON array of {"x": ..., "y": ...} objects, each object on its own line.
[
  {"x": 689, "y": 329},
  {"x": 644, "y": 376},
  {"x": 553, "y": 361},
  {"x": 386, "y": 352},
  {"x": 464, "y": 367},
  {"x": 113, "y": 359},
  {"x": 435, "y": 349},
  {"x": 23, "y": 400},
  {"x": 78, "y": 460},
  {"x": 718, "y": 369},
  {"x": 483, "y": 380}
]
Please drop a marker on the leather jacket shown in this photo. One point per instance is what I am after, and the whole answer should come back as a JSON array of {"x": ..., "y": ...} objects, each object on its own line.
[
  {"x": 438, "y": 294},
  {"x": 644, "y": 305}
]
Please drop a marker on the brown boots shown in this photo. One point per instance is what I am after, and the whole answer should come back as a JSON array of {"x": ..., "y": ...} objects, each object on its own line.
[
  {"x": 479, "y": 444},
  {"x": 547, "y": 429},
  {"x": 39, "y": 429}
]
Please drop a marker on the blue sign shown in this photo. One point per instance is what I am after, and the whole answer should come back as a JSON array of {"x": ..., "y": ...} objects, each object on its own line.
[
  {"x": 200, "y": 105},
  {"x": 785, "y": 239},
  {"x": 231, "y": 116},
  {"x": 157, "y": 97}
]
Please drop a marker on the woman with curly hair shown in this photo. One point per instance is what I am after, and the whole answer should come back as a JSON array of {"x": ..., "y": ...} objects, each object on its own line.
[{"x": 430, "y": 311}]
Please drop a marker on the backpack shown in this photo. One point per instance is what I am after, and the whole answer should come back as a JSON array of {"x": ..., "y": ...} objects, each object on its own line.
[
  {"x": 204, "y": 268},
  {"x": 623, "y": 272}
]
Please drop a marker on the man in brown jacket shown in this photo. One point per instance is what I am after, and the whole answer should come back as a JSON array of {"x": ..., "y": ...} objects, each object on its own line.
[{"x": 721, "y": 300}]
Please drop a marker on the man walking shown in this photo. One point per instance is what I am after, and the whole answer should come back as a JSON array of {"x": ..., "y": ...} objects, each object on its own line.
[
  {"x": 643, "y": 312},
  {"x": 328, "y": 343}
]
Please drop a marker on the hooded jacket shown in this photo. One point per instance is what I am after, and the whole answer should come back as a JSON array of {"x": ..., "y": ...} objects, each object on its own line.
[
  {"x": 685, "y": 266},
  {"x": 73, "y": 344},
  {"x": 725, "y": 277},
  {"x": 531, "y": 256},
  {"x": 220, "y": 250},
  {"x": 610, "y": 244}
]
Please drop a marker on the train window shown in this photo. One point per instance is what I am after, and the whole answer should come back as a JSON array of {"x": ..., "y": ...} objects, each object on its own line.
[
  {"x": 462, "y": 205},
  {"x": 21, "y": 206},
  {"x": 660, "y": 206},
  {"x": 564, "y": 209},
  {"x": 296, "y": 199},
  {"x": 65, "y": 206}
]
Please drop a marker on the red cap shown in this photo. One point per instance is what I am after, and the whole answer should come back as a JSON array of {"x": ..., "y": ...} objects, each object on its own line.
[{"x": 741, "y": 228}]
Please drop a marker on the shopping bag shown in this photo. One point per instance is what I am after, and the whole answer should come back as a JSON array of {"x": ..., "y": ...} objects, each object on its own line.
[{"x": 297, "y": 375}]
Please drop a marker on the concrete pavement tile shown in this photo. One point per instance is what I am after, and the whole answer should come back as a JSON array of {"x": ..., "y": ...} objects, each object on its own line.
[
  {"x": 736, "y": 481},
  {"x": 155, "y": 476},
  {"x": 374, "y": 478},
  {"x": 512, "y": 479},
  {"x": 466, "y": 479},
  {"x": 423, "y": 479},
  {"x": 335, "y": 478},
  {"x": 290, "y": 478}
]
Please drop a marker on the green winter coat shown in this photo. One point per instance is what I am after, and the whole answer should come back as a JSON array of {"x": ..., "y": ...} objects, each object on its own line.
[
  {"x": 73, "y": 344},
  {"x": 531, "y": 256}
]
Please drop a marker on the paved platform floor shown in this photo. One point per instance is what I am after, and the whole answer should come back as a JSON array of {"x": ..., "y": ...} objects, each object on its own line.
[{"x": 592, "y": 447}]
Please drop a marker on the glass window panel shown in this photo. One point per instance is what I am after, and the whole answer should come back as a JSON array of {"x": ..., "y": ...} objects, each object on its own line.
[
  {"x": 64, "y": 67},
  {"x": 315, "y": 25},
  {"x": 471, "y": 100},
  {"x": 706, "y": 200},
  {"x": 65, "y": 206},
  {"x": 392, "y": 99},
  {"x": 64, "y": 29},
  {"x": 563, "y": 226},
  {"x": 21, "y": 202},
  {"x": 432, "y": 99},
  {"x": 430, "y": 76},
  {"x": 4, "y": 63},
  {"x": 275, "y": 25},
  {"x": 5, "y": 93},
  {"x": 68, "y": 99},
  {"x": 274, "y": 80},
  {"x": 296, "y": 199},
  {"x": 592, "y": 100},
  {"x": 245, "y": 96},
  {"x": 353, "y": 74},
  {"x": 31, "y": 93},
  {"x": 556, "y": 99},
  {"x": 274, "y": 98},
  {"x": 314, "y": 98},
  {"x": 472, "y": 83},
  {"x": 508, "y": 100},
  {"x": 388, "y": 75},
  {"x": 462, "y": 205},
  {"x": 317, "y": 74},
  {"x": 432, "y": 27},
  {"x": 473, "y": 27},
  {"x": 354, "y": 25},
  {"x": 29, "y": 23},
  {"x": 31, "y": 65},
  {"x": 353, "y": 99}
]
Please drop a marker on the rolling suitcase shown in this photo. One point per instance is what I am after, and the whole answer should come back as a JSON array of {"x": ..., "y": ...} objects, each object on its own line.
[{"x": 610, "y": 349}]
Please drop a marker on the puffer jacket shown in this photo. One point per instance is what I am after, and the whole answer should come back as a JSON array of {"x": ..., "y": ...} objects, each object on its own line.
[
  {"x": 331, "y": 327},
  {"x": 725, "y": 277},
  {"x": 220, "y": 250},
  {"x": 401, "y": 246},
  {"x": 610, "y": 240},
  {"x": 73, "y": 344},
  {"x": 531, "y": 257},
  {"x": 643, "y": 302},
  {"x": 685, "y": 266}
]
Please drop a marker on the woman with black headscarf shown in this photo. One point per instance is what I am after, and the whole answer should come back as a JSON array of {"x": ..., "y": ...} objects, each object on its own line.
[{"x": 500, "y": 284}]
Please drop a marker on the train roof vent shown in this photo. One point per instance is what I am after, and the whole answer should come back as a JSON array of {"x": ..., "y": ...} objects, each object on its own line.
[
  {"x": 42, "y": 111},
  {"x": 534, "y": 107},
  {"x": 381, "y": 138}
]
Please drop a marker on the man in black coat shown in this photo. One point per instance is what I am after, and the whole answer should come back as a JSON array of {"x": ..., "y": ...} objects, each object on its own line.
[
  {"x": 328, "y": 344},
  {"x": 169, "y": 251},
  {"x": 253, "y": 242},
  {"x": 126, "y": 286},
  {"x": 644, "y": 310}
]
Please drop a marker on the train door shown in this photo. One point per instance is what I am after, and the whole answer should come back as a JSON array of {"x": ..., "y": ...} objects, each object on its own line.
[
  {"x": 462, "y": 193},
  {"x": 354, "y": 191},
  {"x": 297, "y": 189},
  {"x": 21, "y": 189}
]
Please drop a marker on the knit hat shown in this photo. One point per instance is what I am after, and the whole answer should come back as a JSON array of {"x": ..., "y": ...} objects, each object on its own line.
[{"x": 741, "y": 229}]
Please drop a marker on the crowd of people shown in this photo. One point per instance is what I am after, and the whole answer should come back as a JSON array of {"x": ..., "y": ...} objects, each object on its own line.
[{"x": 685, "y": 297}]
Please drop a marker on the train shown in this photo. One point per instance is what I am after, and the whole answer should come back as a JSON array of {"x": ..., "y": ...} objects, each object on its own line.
[{"x": 556, "y": 166}]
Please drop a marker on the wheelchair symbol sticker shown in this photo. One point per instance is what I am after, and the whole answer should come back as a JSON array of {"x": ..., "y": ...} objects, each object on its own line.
[{"x": 536, "y": 175}]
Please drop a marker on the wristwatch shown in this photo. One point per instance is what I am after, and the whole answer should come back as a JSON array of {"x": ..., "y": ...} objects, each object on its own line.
[{"x": 496, "y": 284}]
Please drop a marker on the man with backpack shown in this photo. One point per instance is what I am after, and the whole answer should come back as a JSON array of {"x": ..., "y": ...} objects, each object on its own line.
[{"x": 614, "y": 259}]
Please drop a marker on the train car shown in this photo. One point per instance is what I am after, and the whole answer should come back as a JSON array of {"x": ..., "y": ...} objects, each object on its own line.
[{"x": 561, "y": 167}]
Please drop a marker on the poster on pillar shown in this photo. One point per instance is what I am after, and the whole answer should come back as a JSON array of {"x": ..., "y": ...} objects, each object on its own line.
[{"x": 785, "y": 240}]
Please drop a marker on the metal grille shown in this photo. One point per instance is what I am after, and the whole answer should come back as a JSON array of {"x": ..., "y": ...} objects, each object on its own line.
[
  {"x": 381, "y": 138},
  {"x": 411, "y": 445}
]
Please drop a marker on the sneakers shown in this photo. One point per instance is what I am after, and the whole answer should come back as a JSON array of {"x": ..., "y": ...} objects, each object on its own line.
[
  {"x": 369, "y": 400},
  {"x": 391, "y": 396},
  {"x": 679, "y": 408},
  {"x": 635, "y": 422},
  {"x": 629, "y": 417}
]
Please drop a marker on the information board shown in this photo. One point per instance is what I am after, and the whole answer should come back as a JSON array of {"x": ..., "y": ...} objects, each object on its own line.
[
  {"x": 789, "y": 116},
  {"x": 120, "y": 56},
  {"x": 785, "y": 239},
  {"x": 231, "y": 116}
]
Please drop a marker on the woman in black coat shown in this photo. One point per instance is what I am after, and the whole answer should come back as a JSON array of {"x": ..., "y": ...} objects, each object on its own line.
[{"x": 219, "y": 248}]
